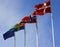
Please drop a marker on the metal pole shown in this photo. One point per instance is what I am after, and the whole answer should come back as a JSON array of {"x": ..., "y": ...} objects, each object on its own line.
[
  {"x": 14, "y": 40},
  {"x": 53, "y": 37},
  {"x": 52, "y": 22},
  {"x": 24, "y": 37},
  {"x": 36, "y": 33}
]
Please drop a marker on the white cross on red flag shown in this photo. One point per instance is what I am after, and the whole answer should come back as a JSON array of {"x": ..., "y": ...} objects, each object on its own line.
[{"x": 41, "y": 9}]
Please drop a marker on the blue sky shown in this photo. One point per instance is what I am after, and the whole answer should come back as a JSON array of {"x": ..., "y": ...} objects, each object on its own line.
[{"x": 12, "y": 11}]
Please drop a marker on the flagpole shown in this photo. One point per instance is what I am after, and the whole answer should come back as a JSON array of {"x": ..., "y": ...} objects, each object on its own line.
[
  {"x": 24, "y": 37},
  {"x": 14, "y": 40},
  {"x": 36, "y": 33},
  {"x": 52, "y": 22},
  {"x": 53, "y": 37}
]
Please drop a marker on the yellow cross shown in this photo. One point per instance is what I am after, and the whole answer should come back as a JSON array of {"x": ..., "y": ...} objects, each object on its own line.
[{"x": 18, "y": 26}]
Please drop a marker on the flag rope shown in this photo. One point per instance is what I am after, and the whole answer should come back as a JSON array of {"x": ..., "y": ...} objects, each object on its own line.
[
  {"x": 36, "y": 33},
  {"x": 24, "y": 37},
  {"x": 14, "y": 40},
  {"x": 53, "y": 37}
]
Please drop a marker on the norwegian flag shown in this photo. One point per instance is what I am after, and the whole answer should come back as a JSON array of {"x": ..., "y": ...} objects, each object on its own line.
[{"x": 29, "y": 19}]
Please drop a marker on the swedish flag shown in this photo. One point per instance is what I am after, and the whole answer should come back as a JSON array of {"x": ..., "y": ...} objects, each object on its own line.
[{"x": 15, "y": 28}]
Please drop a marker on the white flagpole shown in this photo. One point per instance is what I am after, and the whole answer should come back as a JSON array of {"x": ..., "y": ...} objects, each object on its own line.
[
  {"x": 24, "y": 37},
  {"x": 53, "y": 37},
  {"x": 36, "y": 33},
  {"x": 52, "y": 22},
  {"x": 14, "y": 40}
]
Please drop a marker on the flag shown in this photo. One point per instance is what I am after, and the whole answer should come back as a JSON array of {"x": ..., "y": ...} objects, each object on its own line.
[
  {"x": 32, "y": 19},
  {"x": 33, "y": 14},
  {"x": 29, "y": 19},
  {"x": 8, "y": 34},
  {"x": 38, "y": 6},
  {"x": 19, "y": 26},
  {"x": 11, "y": 32},
  {"x": 48, "y": 10},
  {"x": 41, "y": 9},
  {"x": 26, "y": 19},
  {"x": 40, "y": 12}
]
